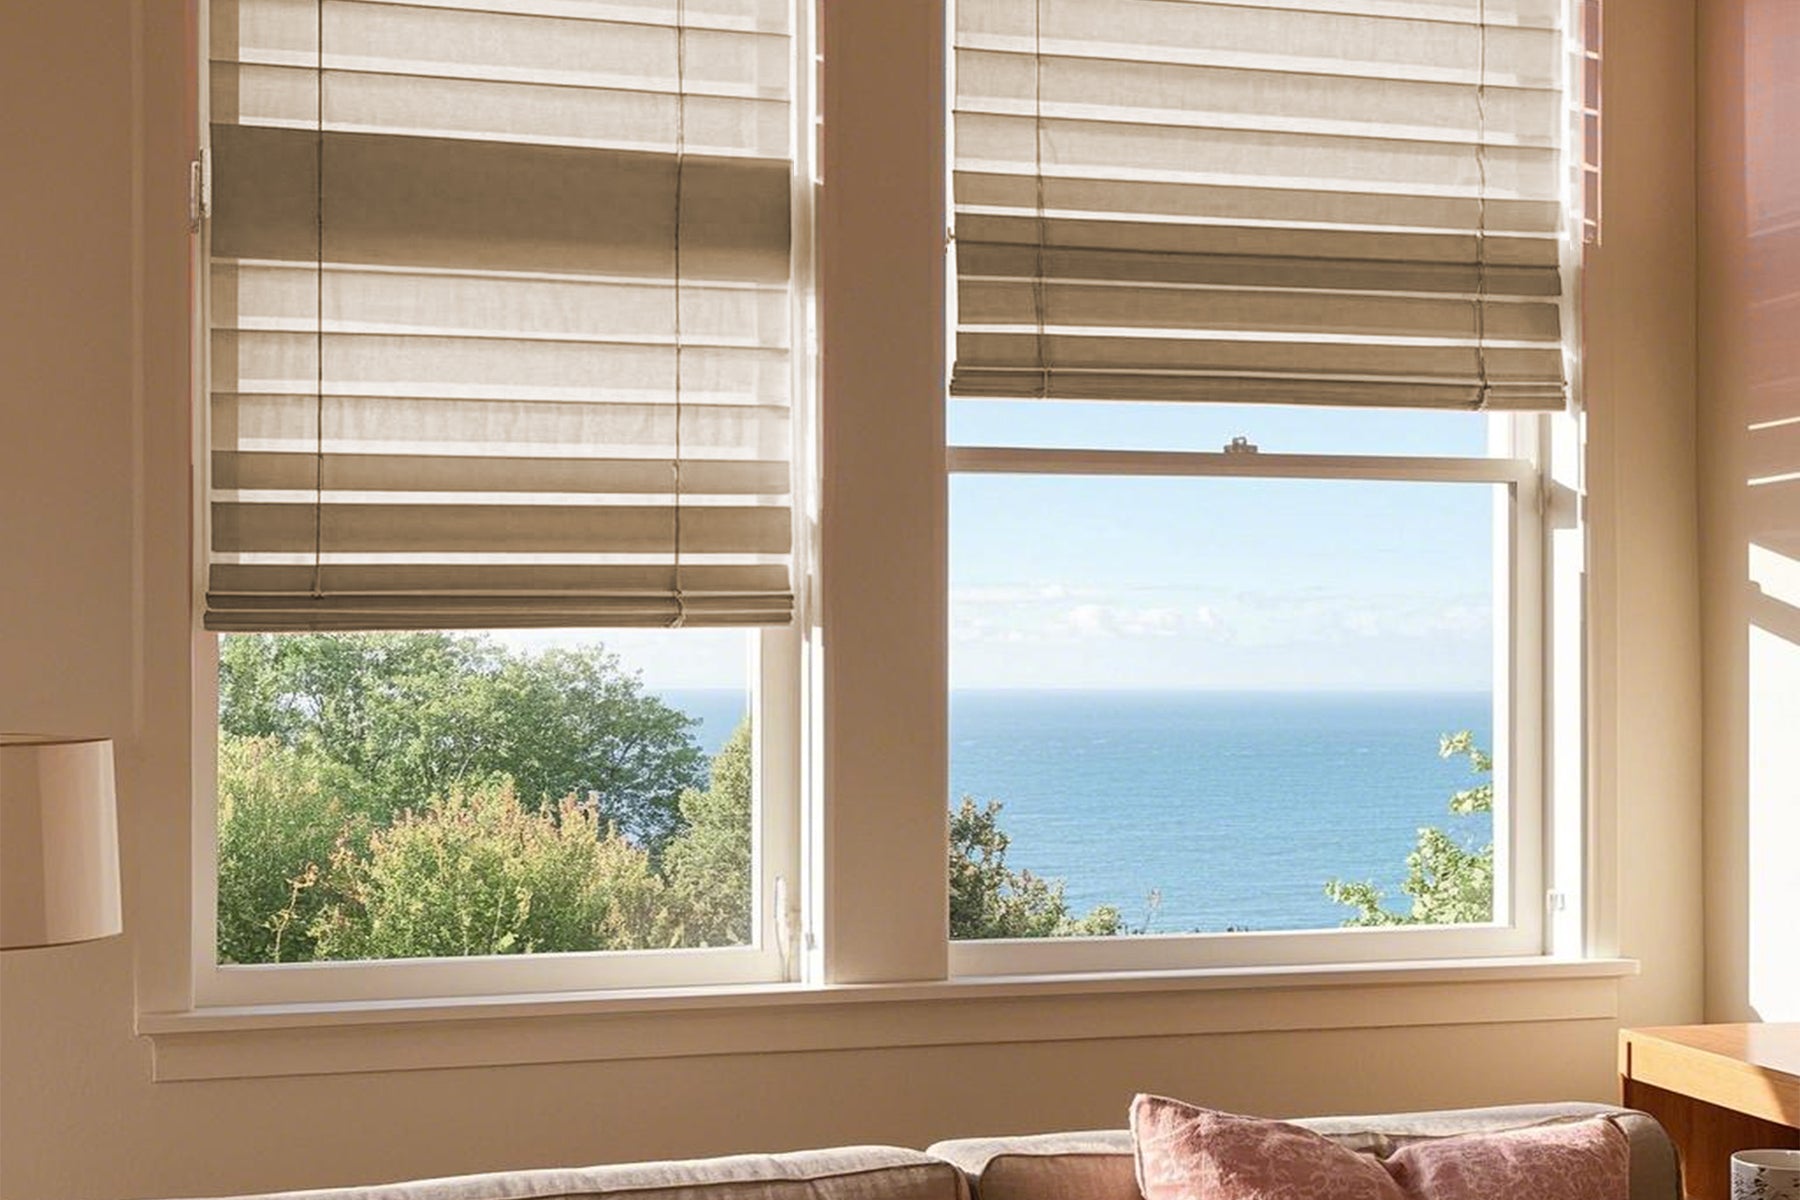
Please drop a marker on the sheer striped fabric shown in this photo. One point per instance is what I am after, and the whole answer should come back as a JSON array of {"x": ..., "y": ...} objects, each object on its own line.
[
  {"x": 1350, "y": 202},
  {"x": 500, "y": 313}
]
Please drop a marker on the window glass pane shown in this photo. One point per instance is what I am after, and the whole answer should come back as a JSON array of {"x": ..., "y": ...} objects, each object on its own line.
[
  {"x": 408, "y": 795},
  {"x": 1273, "y": 428},
  {"x": 1199, "y": 702}
]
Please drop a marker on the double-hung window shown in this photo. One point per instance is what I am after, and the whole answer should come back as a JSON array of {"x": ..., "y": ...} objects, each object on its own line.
[
  {"x": 1260, "y": 350},
  {"x": 1262, "y": 321},
  {"x": 499, "y": 431}
]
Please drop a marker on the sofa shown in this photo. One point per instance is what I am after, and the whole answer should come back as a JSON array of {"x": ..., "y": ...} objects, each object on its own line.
[{"x": 1052, "y": 1166}]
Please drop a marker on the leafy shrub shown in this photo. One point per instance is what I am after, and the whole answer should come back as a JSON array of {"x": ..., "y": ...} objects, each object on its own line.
[
  {"x": 410, "y": 715},
  {"x": 708, "y": 862},
  {"x": 990, "y": 900},
  {"x": 1450, "y": 883},
  {"x": 280, "y": 821},
  {"x": 476, "y": 872},
  {"x": 389, "y": 795}
]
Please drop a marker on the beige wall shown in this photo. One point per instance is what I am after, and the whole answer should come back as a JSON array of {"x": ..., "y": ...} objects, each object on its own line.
[
  {"x": 1644, "y": 684},
  {"x": 82, "y": 1119},
  {"x": 93, "y": 592},
  {"x": 1749, "y": 410}
]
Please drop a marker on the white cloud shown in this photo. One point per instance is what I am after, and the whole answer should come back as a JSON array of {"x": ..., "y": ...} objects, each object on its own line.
[
  {"x": 1013, "y": 594},
  {"x": 1129, "y": 621},
  {"x": 1061, "y": 614},
  {"x": 1089, "y": 619},
  {"x": 1158, "y": 622}
]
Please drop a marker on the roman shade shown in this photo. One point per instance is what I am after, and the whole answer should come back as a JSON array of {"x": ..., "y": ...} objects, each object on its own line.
[
  {"x": 500, "y": 313},
  {"x": 1353, "y": 202}
]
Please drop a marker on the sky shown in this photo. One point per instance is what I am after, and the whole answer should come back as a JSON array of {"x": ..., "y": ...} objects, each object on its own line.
[
  {"x": 1243, "y": 584},
  {"x": 1065, "y": 582},
  {"x": 667, "y": 659}
]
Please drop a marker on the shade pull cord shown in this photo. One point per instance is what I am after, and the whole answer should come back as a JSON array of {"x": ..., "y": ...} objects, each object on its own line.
[
  {"x": 1481, "y": 167},
  {"x": 318, "y": 571},
  {"x": 1039, "y": 292},
  {"x": 680, "y": 171}
]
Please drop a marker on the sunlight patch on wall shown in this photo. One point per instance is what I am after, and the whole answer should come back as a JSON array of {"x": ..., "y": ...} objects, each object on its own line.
[{"x": 1773, "y": 859}]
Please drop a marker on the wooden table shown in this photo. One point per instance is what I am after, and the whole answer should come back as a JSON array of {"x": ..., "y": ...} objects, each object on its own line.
[{"x": 1717, "y": 1089}]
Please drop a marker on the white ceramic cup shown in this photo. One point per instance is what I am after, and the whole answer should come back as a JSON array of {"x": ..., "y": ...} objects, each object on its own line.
[{"x": 1765, "y": 1175}]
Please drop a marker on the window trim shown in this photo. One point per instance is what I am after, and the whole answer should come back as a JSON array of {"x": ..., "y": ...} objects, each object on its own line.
[
  {"x": 775, "y": 870},
  {"x": 1521, "y": 826},
  {"x": 777, "y": 701},
  {"x": 679, "y": 1023},
  {"x": 872, "y": 884}
]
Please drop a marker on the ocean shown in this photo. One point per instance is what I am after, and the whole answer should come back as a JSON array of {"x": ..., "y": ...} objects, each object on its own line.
[{"x": 1233, "y": 809}]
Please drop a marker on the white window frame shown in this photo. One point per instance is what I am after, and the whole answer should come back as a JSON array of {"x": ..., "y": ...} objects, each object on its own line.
[
  {"x": 852, "y": 702},
  {"x": 775, "y": 869},
  {"x": 776, "y": 670},
  {"x": 1520, "y": 828},
  {"x": 1543, "y": 872}
]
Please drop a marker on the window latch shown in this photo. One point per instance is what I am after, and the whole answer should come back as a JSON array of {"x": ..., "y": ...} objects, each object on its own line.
[
  {"x": 199, "y": 193},
  {"x": 1240, "y": 445},
  {"x": 787, "y": 922}
]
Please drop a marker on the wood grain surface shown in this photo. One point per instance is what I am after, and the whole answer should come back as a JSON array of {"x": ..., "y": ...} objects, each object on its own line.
[{"x": 1717, "y": 1089}]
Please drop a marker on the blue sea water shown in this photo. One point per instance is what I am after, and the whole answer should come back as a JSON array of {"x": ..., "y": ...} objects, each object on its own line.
[
  {"x": 1234, "y": 808},
  {"x": 718, "y": 711}
]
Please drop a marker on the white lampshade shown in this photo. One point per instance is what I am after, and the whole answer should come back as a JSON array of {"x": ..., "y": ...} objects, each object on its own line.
[{"x": 59, "y": 841}]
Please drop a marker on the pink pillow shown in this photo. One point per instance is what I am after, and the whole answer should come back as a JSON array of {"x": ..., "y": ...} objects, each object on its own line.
[{"x": 1188, "y": 1153}]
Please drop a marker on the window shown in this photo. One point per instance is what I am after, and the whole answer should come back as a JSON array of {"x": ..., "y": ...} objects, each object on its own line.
[
  {"x": 501, "y": 524},
  {"x": 1257, "y": 309},
  {"x": 1258, "y": 349},
  {"x": 1217, "y": 697}
]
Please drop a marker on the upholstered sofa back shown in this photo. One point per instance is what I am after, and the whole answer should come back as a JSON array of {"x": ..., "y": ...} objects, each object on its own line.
[
  {"x": 1053, "y": 1166},
  {"x": 1098, "y": 1165},
  {"x": 844, "y": 1173}
]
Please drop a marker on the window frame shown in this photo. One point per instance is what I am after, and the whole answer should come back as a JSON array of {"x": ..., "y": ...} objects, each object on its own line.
[
  {"x": 867, "y": 744},
  {"x": 1521, "y": 829},
  {"x": 1544, "y": 840},
  {"x": 776, "y": 676},
  {"x": 775, "y": 870}
]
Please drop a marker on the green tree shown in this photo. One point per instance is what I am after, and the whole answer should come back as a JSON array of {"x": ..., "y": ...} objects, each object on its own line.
[
  {"x": 391, "y": 796},
  {"x": 576, "y": 723},
  {"x": 708, "y": 862},
  {"x": 1450, "y": 883},
  {"x": 990, "y": 900},
  {"x": 280, "y": 821},
  {"x": 410, "y": 715},
  {"x": 476, "y": 872}
]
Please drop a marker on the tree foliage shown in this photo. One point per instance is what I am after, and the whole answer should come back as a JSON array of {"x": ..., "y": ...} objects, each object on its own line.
[
  {"x": 476, "y": 872},
  {"x": 281, "y": 817},
  {"x": 1449, "y": 883},
  {"x": 708, "y": 862},
  {"x": 413, "y": 795},
  {"x": 990, "y": 900},
  {"x": 429, "y": 795},
  {"x": 408, "y": 716}
]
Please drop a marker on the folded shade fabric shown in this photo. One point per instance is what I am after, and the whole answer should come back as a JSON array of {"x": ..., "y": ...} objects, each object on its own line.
[
  {"x": 499, "y": 299},
  {"x": 1353, "y": 202}
]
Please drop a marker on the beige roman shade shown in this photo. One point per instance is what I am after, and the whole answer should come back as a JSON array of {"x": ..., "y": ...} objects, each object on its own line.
[
  {"x": 500, "y": 313},
  {"x": 1355, "y": 202}
]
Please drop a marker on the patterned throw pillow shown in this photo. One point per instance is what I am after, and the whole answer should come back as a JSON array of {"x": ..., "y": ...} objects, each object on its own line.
[{"x": 1189, "y": 1153}]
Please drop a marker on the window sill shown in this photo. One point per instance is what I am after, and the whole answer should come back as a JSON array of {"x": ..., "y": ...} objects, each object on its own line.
[{"x": 375, "y": 1036}]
